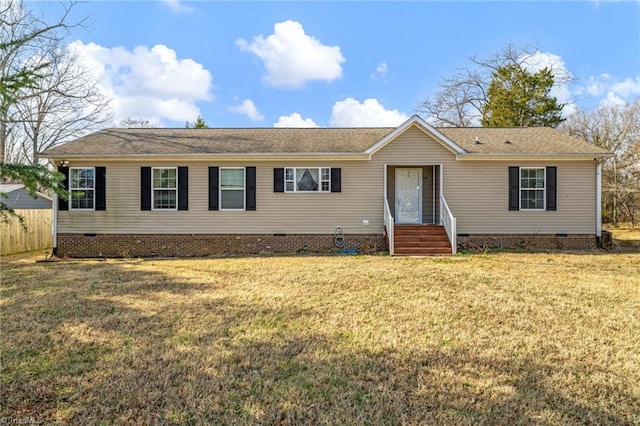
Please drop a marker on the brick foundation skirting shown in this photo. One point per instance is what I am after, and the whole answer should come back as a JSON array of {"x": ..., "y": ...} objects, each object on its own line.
[
  {"x": 475, "y": 242},
  {"x": 188, "y": 245}
]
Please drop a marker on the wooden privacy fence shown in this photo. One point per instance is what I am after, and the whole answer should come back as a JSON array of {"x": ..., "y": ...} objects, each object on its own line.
[{"x": 16, "y": 239}]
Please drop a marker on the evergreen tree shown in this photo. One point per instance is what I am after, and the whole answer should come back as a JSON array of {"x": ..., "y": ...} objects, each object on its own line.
[
  {"x": 35, "y": 176},
  {"x": 517, "y": 97},
  {"x": 462, "y": 98},
  {"x": 198, "y": 124}
]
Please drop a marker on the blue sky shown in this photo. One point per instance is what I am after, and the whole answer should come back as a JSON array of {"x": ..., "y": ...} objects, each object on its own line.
[{"x": 260, "y": 64}]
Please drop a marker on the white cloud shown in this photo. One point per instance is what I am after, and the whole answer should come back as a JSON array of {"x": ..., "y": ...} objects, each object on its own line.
[
  {"x": 602, "y": 88},
  {"x": 612, "y": 99},
  {"x": 594, "y": 86},
  {"x": 370, "y": 113},
  {"x": 248, "y": 108},
  {"x": 539, "y": 60},
  {"x": 177, "y": 6},
  {"x": 627, "y": 88},
  {"x": 147, "y": 83},
  {"x": 291, "y": 57},
  {"x": 381, "y": 72},
  {"x": 294, "y": 120},
  {"x": 560, "y": 90},
  {"x": 609, "y": 90}
]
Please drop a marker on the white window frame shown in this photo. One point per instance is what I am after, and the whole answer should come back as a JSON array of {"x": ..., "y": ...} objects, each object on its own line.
[
  {"x": 244, "y": 188},
  {"x": 544, "y": 189},
  {"x": 295, "y": 179},
  {"x": 154, "y": 189},
  {"x": 71, "y": 189}
]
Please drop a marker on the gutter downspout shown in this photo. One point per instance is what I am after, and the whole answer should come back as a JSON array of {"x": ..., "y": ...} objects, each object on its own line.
[
  {"x": 54, "y": 224},
  {"x": 54, "y": 217},
  {"x": 599, "y": 203}
]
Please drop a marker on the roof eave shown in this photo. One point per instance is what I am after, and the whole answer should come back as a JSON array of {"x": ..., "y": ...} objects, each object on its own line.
[
  {"x": 19, "y": 187},
  {"x": 210, "y": 156},
  {"x": 542, "y": 156}
]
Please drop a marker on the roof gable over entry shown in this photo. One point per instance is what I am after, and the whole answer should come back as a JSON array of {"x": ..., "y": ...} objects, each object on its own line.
[
  {"x": 417, "y": 121},
  {"x": 469, "y": 143}
]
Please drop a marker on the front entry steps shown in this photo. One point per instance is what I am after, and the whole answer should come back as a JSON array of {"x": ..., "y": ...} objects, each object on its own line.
[{"x": 421, "y": 240}]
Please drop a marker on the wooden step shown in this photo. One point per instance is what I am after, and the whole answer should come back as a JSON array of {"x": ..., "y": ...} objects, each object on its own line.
[
  {"x": 423, "y": 229},
  {"x": 421, "y": 240},
  {"x": 418, "y": 237},
  {"x": 444, "y": 244},
  {"x": 422, "y": 251}
]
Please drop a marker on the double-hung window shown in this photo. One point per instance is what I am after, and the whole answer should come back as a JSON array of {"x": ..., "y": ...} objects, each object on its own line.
[
  {"x": 532, "y": 188},
  {"x": 232, "y": 188},
  {"x": 164, "y": 188},
  {"x": 307, "y": 179},
  {"x": 82, "y": 188}
]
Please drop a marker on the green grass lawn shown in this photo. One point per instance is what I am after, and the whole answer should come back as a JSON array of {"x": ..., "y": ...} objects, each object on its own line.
[{"x": 543, "y": 338}]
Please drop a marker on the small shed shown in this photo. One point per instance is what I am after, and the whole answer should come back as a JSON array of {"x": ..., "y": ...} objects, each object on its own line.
[{"x": 19, "y": 198}]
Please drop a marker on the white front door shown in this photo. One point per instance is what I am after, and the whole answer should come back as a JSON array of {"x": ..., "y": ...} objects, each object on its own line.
[{"x": 409, "y": 195}]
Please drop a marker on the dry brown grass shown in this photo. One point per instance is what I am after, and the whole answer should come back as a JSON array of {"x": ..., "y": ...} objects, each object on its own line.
[
  {"x": 624, "y": 237},
  {"x": 480, "y": 339}
]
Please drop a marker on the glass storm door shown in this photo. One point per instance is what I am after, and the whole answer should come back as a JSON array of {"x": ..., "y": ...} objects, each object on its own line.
[{"x": 409, "y": 195}]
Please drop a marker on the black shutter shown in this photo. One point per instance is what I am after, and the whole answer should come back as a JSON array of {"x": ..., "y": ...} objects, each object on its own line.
[
  {"x": 278, "y": 180},
  {"x": 551, "y": 188},
  {"x": 514, "y": 188},
  {"x": 250, "y": 174},
  {"x": 183, "y": 188},
  {"x": 145, "y": 188},
  {"x": 101, "y": 188},
  {"x": 64, "y": 204},
  {"x": 336, "y": 179},
  {"x": 213, "y": 188}
]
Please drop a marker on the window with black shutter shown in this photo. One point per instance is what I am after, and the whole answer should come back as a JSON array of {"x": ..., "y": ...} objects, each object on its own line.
[
  {"x": 251, "y": 188},
  {"x": 213, "y": 188},
  {"x": 551, "y": 188},
  {"x": 145, "y": 188},
  {"x": 307, "y": 179},
  {"x": 532, "y": 188},
  {"x": 82, "y": 188},
  {"x": 232, "y": 188},
  {"x": 183, "y": 188},
  {"x": 63, "y": 204},
  {"x": 278, "y": 180},
  {"x": 336, "y": 179},
  {"x": 101, "y": 188}
]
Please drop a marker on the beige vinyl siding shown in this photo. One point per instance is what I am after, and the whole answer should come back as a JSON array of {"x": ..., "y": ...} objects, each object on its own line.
[
  {"x": 477, "y": 192},
  {"x": 483, "y": 207},
  {"x": 290, "y": 213}
]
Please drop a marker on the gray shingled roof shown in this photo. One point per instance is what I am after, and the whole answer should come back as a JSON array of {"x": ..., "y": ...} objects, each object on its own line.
[
  {"x": 110, "y": 142},
  {"x": 518, "y": 140},
  {"x": 286, "y": 141}
]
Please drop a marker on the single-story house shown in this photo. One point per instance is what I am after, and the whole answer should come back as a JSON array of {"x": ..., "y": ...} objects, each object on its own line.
[
  {"x": 17, "y": 197},
  {"x": 414, "y": 189}
]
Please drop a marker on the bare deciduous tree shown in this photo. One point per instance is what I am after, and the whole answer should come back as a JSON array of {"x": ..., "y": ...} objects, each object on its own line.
[
  {"x": 135, "y": 123},
  {"x": 615, "y": 128},
  {"x": 66, "y": 101},
  {"x": 461, "y": 99}
]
